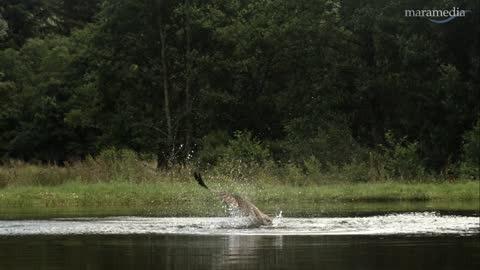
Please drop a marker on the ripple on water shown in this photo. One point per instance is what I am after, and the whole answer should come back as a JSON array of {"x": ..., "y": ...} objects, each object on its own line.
[{"x": 411, "y": 223}]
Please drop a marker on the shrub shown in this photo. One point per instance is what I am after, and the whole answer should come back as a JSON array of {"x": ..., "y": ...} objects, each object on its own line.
[
  {"x": 312, "y": 168},
  {"x": 329, "y": 144},
  {"x": 240, "y": 158},
  {"x": 402, "y": 159},
  {"x": 377, "y": 166},
  {"x": 356, "y": 172},
  {"x": 113, "y": 164},
  {"x": 246, "y": 148},
  {"x": 212, "y": 148},
  {"x": 470, "y": 165},
  {"x": 20, "y": 173},
  {"x": 294, "y": 175}
]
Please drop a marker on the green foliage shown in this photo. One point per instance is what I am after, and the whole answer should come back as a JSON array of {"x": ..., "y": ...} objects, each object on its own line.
[
  {"x": 402, "y": 158},
  {"x": 3, "y": 28},
  {"x": 217, "y": 146},
  {"x": 332, "y": 144},
  {"x": 213, "y": 147},
  {"x": 35, "y": 83},
  {"x": 111, "y": 165},
  {"x": 312, "y": 167},
  {"x": 356, "y": 172},
  {"x": 470, "y": 165},
  {"x": 173, "y": 198},
  {"x": 117, "y": 165},
  {"x": 241, "y": 157},
  {"x": 377, "y": 165},
  {"x": 294, "y": 174},
  {"x": 318, "y": 83},
  {"x": 245, "y": 148},
  {"x": 28, "y": 19}
]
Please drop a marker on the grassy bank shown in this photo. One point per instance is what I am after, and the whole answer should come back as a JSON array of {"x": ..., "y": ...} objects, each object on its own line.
[
  {"x": 123, "y": 180},
  {"x": 177, "y": 199}
]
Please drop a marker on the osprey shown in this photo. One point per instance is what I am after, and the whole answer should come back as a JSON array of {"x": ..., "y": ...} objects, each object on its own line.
[{"x": 236, "y": 202}]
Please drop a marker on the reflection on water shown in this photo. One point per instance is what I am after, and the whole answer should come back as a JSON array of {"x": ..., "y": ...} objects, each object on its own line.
[
  {"x": 237, "y": 248},
  {"x": 239, "y": 252}
]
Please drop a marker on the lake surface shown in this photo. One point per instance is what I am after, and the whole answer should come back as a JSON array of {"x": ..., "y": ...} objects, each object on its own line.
[
  {"x": 390, "y": 224},
  {"x": 426, "y": 240},
  {"x": 377, "y": 240},
  {"x": 151, "y": 251}
]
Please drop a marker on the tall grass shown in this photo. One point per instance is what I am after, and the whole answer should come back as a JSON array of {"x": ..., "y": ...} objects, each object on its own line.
[
  {"x": 120, "y": 177},
  {"x": 110, "y": 166},
  {"x": 125, "y": 166}
]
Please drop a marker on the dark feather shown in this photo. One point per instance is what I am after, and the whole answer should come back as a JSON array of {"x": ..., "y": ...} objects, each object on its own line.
[{"x": 199, "y": 179}]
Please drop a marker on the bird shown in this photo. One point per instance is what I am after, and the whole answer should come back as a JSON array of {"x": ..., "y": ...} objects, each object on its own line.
[{"x": 235, "y": 202}]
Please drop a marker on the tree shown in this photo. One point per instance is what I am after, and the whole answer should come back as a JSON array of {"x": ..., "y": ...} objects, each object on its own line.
[
  {"x": 34, "y": 84},
  {"x": 38, "y": 19},
  {"x": 3, "y": 28}
]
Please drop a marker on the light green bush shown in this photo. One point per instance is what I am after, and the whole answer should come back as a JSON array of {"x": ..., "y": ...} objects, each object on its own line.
[
  {"x": 246, "y": 148},
  {"x": 243, "y": 157},
  {"x": 402, "y": 158},
  {"x": 313, "y": 168}
]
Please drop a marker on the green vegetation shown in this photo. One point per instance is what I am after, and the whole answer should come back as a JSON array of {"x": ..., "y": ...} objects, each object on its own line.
[
  {"x": 117, "y": 102},
  {"x": 119, "y": 178},
  {"x": 336, "y": 85},
  {"x": 179, "y": 199}
]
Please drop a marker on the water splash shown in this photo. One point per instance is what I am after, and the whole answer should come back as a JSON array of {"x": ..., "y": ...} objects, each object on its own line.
[
  {"x": 238, "y": 219},
  {"x": 411, "y": 224},
  {"x": 277, "y": 220}
]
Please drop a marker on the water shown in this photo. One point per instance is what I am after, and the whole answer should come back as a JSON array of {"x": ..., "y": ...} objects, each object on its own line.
[
  {"x": 160, "y": 251},
  {"x": 403, "y": 240},
  {"x": 391, "y": 224}
]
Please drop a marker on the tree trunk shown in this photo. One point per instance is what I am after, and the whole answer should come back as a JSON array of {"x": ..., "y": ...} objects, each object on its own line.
[
  {"x": 188, "y": 75},
  {"x": 164, "y": 156},
  {"x": 166, "y": 95}
]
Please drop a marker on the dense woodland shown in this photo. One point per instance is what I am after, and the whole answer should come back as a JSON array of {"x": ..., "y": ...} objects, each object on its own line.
[{"x": 314, "y": 84}]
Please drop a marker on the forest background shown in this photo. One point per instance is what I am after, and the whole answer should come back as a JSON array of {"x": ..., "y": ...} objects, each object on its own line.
[{"x": 299, "y": 92}]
